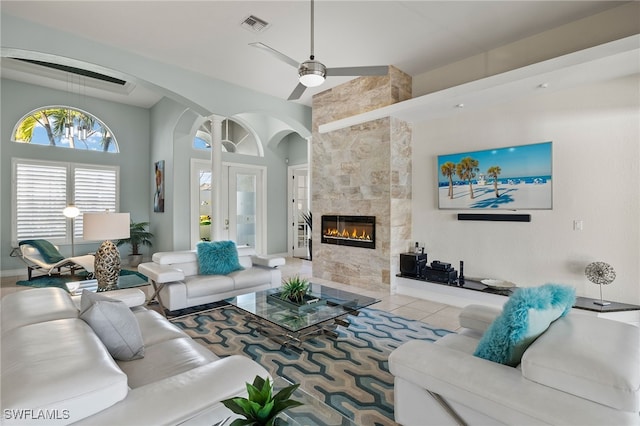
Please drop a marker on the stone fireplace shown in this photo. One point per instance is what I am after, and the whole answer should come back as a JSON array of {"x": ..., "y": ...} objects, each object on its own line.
[
  {"x": 353, "y": 231},
  {"x": 364, "y": 170}
]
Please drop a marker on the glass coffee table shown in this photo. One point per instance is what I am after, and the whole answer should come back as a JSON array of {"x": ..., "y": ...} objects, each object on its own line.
[
  {"x": 290, "y": 325},
  {"x": 313, "y": 413}
]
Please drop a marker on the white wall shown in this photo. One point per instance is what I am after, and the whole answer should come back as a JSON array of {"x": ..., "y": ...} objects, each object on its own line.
[{"x": 596, "y": 137}]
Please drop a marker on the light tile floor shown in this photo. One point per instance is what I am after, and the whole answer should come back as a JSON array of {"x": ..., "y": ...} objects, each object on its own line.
[{"x": 433, "y": 313}]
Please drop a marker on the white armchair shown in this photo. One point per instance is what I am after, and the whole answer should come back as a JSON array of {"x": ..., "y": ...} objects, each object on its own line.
[{"x": 583, "y": 370}]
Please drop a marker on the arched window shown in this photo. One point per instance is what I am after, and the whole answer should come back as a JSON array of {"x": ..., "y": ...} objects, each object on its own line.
[
  {"x": 65, "y": 127},
  {"x": 235, "y": 138}
]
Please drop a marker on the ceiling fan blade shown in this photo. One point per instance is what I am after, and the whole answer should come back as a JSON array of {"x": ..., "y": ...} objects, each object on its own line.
[
  {"x": 358, "y": 71},
  {"x": 297, "y": 92},
  {"x": 274, "y": 52}
]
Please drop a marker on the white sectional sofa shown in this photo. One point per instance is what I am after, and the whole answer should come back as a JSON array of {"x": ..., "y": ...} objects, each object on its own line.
[
  {"x": 583, "y": 370},
  {"x": 56, "y": 370},
  {"x": 178, "y": 283}
]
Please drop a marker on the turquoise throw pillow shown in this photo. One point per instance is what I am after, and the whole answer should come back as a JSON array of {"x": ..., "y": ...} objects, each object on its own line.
[
  {"x": 526, "y": 315},
  {"x": 218, "y": 257}
]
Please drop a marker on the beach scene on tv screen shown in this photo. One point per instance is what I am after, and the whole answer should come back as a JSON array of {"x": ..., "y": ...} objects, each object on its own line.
[{"x": 513, "y": 178}]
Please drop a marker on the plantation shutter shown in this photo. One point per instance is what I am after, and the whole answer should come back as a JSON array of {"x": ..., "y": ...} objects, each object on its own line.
[
  {"x": 40, "y": 198},
  {"x": 96, "y": 190}
]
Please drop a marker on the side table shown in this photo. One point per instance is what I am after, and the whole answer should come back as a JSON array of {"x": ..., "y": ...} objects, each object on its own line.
[{"x": 616, "y": 311}]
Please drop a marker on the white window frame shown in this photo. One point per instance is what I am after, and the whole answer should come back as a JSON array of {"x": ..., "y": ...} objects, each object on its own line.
[
  {"x": 70, "y": 195},
  {"x": 74, "y": 135}
]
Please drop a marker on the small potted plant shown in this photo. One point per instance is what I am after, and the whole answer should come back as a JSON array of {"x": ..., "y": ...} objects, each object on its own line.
[
  {"x": 294, "y": 289},
  {"x": 138, "y": 236},
  {"x": 262, "y": 407},
  {"x": 294, "y": 296}
]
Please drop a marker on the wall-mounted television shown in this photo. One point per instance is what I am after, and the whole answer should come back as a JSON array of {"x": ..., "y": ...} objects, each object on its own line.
[{"x": 512, "y": 178}]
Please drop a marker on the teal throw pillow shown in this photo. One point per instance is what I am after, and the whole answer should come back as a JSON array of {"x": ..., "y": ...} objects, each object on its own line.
[
  {"x": 526, "y": 315},
  {"x": 218, "y": 257}
]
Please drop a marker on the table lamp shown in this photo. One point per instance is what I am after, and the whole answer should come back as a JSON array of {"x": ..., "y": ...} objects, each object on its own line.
[
  {"x": 106, "y": 226},
  {"x": 71, "y": 212}
]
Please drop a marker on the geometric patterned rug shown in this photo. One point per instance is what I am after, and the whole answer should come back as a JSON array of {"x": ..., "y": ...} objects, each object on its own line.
[{"x": 349, "y": 373}]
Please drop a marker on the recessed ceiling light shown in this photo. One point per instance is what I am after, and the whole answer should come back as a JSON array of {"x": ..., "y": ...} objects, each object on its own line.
[
  {"x": 543, "y": 85},
  {"x": 460, "y": 106}
]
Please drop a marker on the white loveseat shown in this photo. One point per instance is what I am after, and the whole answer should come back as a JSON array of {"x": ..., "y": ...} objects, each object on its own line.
[
  {"x": 178, "y": 284},
  {"x": 56, "y": 370},
  {"x": 583, "y": 370}
]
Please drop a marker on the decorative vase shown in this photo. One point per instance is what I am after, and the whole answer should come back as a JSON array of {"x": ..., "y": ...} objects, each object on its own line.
[{"x": 107, "y": 266}]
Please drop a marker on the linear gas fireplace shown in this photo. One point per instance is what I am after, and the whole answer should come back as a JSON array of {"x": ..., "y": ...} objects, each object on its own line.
[{"x": 355, "y": 231}]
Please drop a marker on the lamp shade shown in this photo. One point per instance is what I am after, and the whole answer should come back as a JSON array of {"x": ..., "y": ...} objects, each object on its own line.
[
  {"x": 71, "y": 211},
  {"x": 105, "y": 226}
]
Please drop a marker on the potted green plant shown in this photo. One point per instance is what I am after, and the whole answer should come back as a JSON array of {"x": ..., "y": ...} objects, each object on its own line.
[
  {"x": 294, "y": 289},
  {"x": 138, "y": 236},
  {"x": 261, "y": 408},
  {"x": 308, "y": 220}
]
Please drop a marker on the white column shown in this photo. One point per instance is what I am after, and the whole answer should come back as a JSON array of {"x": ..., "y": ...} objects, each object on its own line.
[
  {"x": 309, "y": 168},
  {"x": 216, "y": 178}
]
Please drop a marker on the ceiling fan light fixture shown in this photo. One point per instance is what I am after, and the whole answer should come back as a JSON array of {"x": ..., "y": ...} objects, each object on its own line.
[{"x": 312, "y": 73}]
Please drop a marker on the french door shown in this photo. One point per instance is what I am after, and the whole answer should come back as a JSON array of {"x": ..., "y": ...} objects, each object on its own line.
[
  {"x": 299, "y": 232},
  {"x": 243, "y": 208}
]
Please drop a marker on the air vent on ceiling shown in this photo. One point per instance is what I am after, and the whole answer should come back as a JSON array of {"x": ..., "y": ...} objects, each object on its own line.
[
  {"x": 255, "y": 24},
  {"x": 77, "y": 71}
]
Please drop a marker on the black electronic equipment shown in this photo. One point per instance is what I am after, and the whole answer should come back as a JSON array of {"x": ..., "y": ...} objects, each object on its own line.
[
  {"x": 449, "y": 276},
  {"x": 412, "y": 264},
  {"x": 440, "y": 266}
]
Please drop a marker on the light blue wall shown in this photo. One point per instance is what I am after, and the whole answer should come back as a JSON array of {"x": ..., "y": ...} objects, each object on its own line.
[
  {"x": 177, "y": 169},
  {"x": 129, "y": 124},
  {"x": 187, "y": 93},
  {"x": 295, "y": 149}
]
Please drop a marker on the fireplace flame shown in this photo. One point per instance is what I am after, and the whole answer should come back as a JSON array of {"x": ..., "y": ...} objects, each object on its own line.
[{"x": 353, "y": 234}]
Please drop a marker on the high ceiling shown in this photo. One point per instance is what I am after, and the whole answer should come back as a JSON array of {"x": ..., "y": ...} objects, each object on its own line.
[{"x": 207, "y": 36}]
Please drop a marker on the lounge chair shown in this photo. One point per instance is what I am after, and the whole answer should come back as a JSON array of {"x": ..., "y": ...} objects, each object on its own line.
[{"x": 41, "y": 254}]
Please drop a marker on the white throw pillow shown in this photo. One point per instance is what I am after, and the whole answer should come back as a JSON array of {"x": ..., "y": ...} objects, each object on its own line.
[{"x": 115, "y": 325}]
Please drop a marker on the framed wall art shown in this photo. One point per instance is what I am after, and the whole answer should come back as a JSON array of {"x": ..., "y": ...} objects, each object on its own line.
[
  {"x": 512, "y": 178},
  {"x": 158, "y": 195}
]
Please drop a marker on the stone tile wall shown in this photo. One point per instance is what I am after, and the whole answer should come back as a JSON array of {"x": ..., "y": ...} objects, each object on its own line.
[{"x": 362, "y": 170}]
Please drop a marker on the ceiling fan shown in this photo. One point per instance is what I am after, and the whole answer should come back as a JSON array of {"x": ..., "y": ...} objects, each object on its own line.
[{"x": 312, "y": 73}]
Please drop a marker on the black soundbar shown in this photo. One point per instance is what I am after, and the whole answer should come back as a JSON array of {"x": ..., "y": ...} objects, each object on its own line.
[{"x": 495, "y": 217}]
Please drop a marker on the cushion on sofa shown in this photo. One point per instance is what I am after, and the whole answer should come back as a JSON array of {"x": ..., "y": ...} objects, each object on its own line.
[
  {"x": 525, "y": 316},
  {"x": 166, "y": 359},
  {"x": 218, "y": 257},
  {"x": 155, "y": 328},
  {"x": 114, "y": 323},
  {"x": 59, "y": 365},
  {"x": 36, "y": 305},
  {"x": 580, "y": 354},
  {"x": 250, "y": 277},
  {"x": 206, "y": 285},
  {"x": 173, "y": 257}
]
